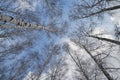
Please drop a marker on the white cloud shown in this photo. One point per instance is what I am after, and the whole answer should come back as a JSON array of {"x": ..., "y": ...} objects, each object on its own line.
[
  {"x": 116, "y": 17},
  {"x": 24, "y": 5}
]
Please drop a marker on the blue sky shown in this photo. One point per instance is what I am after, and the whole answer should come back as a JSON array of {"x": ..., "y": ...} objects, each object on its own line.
[{"x": 40, "y": 38}]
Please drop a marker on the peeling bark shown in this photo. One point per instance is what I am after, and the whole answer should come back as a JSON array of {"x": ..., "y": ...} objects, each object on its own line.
[{"x": 9, "y": 19}]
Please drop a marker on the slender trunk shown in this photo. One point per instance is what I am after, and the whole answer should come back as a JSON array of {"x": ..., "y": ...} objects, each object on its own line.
[
  {"x": 79, "y": 65},
  {"x": 102, "y": 10},
  {"x": 99, "y": 65},
  {"x": 44, "y": 66},
  {"x": 82, "y": 69},
  {"x": 105, "y": 39}
]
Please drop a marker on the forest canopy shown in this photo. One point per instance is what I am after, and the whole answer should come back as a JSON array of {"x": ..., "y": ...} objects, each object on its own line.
[{"x": 59, "y": 40}]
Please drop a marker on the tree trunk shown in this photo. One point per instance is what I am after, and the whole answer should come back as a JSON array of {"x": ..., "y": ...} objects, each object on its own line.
[
  {"x": 98, "y": 64},
  {"x": 9, "y": 19},
  {"x": 105, "y": 39},
  {"x": 102, "y": 10}
]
